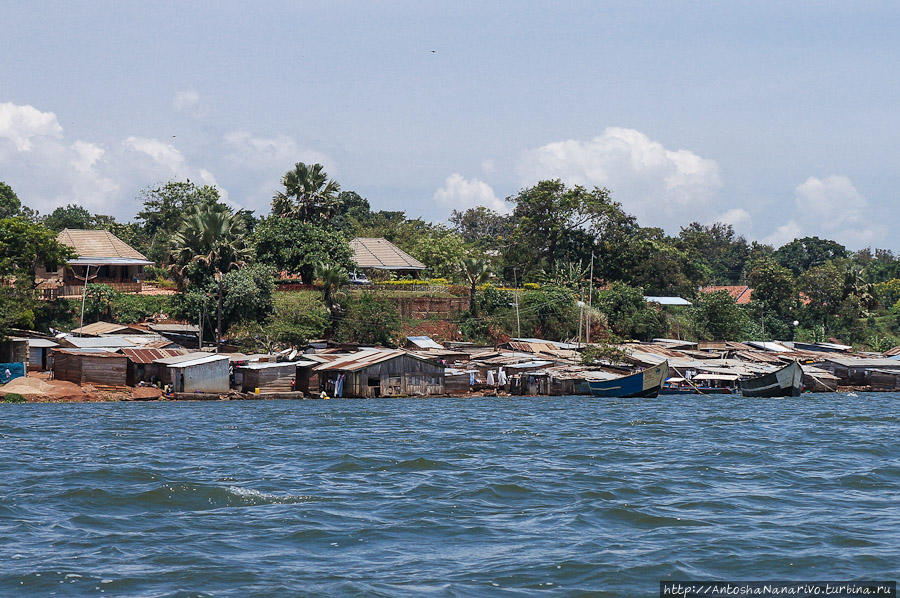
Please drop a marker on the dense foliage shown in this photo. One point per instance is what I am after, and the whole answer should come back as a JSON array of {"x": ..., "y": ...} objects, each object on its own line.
[{"x": 523, "y": 270}]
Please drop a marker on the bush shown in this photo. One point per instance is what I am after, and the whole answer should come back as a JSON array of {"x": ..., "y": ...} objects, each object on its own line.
[
  {"x": 13, "y": 397},
  {"x": 369, "y": 320}
]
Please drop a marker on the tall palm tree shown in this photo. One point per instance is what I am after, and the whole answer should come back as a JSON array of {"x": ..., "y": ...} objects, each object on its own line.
[
  {"x": 477, "y": 272},
  {"x": 332, "y": 278},
  {"x": 308, "y": 193},
  {"x": 212, "y": 237}
]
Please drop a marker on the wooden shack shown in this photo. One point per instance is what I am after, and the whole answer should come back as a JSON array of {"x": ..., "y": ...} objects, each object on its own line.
[
  {"x": 39, "y": 353},
  {"x": 91, "y": 367},
  {"x": 856, "y": 371},
  {"x": 381, "y": 373},
  {"x": 268, "y": 377}
]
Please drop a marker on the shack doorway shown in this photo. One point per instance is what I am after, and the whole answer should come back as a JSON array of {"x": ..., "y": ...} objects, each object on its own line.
[{"x": 374, "y": 386}]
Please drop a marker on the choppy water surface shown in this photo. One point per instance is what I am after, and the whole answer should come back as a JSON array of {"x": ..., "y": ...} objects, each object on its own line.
[{"x": 446, "y": 496}]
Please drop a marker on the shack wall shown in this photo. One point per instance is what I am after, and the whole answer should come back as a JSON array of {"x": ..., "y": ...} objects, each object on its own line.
[
  {"x": 272, "y": 379},
  {"x": 401, "y": 376},
  {"x": 106, "y": 370},
  {"x": 66, "y": 367},
  {"x": 212, "y": 376}
]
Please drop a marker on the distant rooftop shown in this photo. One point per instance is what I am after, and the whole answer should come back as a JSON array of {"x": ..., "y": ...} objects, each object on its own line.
[
  {"x": 667, "y": 300},
  {"x": 381, "y": 254},
  {"x": 742, "y": 294}
]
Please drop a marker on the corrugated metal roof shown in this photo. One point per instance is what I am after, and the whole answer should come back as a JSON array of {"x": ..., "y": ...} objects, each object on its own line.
[
  {"x": 150, "y": 355},
  {"x": 92, "y": 352},
  {"x": 41, "y": 343},
  {"x": 198, "y": 361},
  {"x": 101, "y": 327},
  {"x": 182, "y": 328},
  {"x": 262, "y": 365},
  {"x": 379, "y": 253},
  {"x": 185, "y": 357},
  {"x": 856, "y": 362},
  {"x": 354, "y": 362},
  {"x": 424, "y": 342},
  {"x": 98, "y": 342}
]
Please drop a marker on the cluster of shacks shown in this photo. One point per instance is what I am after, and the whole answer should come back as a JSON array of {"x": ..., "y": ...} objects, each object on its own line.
[{"x": 114, "y": 355}]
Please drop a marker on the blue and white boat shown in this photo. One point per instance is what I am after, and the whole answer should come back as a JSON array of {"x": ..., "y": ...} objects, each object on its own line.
[{"x": 646, "y": 383}]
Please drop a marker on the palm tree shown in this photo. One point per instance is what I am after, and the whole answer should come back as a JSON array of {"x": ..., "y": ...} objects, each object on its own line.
[
  {"x": 332, "y": 278},
  {"x": 477, "y": 272},
  {"x": 212, "y": 237},
  {"x": 308, "y": 193}
]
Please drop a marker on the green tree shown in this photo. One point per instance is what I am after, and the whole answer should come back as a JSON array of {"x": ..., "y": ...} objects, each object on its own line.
[
  {"x": 553, "y": 222},
  {"x": 296, "y": 247},
  {"x": 774, "y": 289},
  {"x": 309, "y": 195},
  {"x": 802, "y": 254},
  {"x": 716, "y": 316},
  {"x": 100, "y": 303},
  {"x": 211, "y": 240},
  {"x": 718, "y": 248},
  {"x": 888, "y": 292},
  {"x": 475, "y": 272},
  {"x": 10, "y": 205},
  {"x": 823, "y": 288},
  {"x": 24, "y": 245},
  {"x": 331, "y": 278},
  {"x": 628, "y": 314},
  {"x": 440, "y": 250},
  {"x": 549, "y": 312},
  {"x": 369, "y": 319},
  {"x": 481, "y": 226},
  {"x": 247, "y": 294},
  {"x": 70, "y": 216},
  {"x": 165, "y": 209}
]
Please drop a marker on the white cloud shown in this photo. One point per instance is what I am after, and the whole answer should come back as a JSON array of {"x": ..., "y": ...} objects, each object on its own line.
[
  {"x": 460, "y": 194},
  {"x": 47, "y": 170},
  {"x": 831, "y": 207},
  {"x": 739, "y": 218},
  {"x": 654, "y": 183},
  {"x": 784, "y": 234},
  {"x": 186, "y": 100},
  {"x": 22, "y": 124}
]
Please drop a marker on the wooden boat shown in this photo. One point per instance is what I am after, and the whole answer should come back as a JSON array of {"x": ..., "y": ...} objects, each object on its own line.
[
  {"x": 646, "y": 383},
  {"x": 786, "y": 382}
]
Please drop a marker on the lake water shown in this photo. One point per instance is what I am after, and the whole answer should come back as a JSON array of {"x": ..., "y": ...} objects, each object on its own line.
[{"x": 558, "y": 495}]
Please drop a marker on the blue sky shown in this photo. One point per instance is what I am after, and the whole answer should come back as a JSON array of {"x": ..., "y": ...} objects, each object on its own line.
[{"x": 778, "y": 117}]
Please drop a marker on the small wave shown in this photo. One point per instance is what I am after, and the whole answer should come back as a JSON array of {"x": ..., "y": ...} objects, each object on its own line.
[
  {"x": 641, "y": 519},
  {"x": 183, "y": 496},
  {"x": 418, "y": 464}
]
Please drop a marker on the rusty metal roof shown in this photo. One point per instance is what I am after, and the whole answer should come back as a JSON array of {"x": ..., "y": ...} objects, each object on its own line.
[
  {"x": 150, "y": 355},
  {"x": 363, "y": 359}
]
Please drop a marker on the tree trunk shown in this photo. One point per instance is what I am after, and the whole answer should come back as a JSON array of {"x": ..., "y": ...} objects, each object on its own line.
[
  {"x": 219, "y": 315},
  {"x": 472, "y": 299}
]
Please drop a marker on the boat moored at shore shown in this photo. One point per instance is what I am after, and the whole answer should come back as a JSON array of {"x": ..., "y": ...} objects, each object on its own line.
[{"x": 647, "y": 383}]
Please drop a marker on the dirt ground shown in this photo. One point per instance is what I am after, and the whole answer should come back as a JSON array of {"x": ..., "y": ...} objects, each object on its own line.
[{"x": 38, "y": 388}]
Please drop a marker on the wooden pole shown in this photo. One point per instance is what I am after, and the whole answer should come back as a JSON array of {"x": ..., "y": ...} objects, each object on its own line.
[
  {"x": 87, "y": 275},
  {"x": 590, "y": 300}
]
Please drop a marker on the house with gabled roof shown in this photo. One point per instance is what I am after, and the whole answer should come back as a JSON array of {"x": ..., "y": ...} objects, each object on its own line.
[
  {"x": 377, "y": 253},
  {"x": 102, "y": 258}
]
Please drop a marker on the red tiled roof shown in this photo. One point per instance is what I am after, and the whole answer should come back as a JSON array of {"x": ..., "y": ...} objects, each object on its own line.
[{"x": 742, "y": 294}]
